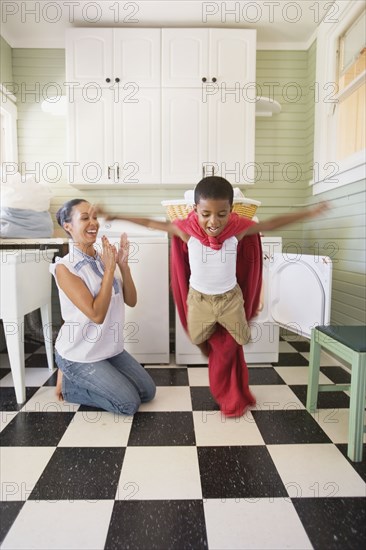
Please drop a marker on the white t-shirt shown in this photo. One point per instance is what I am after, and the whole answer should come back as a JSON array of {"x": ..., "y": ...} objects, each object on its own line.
[
  {"x": 80, "y": 339},
  {"x": 212, "y": 271}
]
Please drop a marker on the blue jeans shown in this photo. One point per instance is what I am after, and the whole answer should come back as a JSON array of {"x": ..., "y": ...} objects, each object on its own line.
[{"x": 118, "y": 384}]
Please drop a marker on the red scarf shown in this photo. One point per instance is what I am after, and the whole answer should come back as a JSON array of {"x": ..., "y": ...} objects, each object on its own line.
[
  {"x": 228, "y": 372},
  {"x": 236, "y": 224}
]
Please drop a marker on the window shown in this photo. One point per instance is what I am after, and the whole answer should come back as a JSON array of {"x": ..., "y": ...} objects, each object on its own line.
[
  {"x": 351, "y": 90},
  {"x": 339, "y": 141},
  {"x": 8, "y": 121}
]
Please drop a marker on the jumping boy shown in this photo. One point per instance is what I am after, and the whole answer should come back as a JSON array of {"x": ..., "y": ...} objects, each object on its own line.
[{"x": 211, "y": 256}]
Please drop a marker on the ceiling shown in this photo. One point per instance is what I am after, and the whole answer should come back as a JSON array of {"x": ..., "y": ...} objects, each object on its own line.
[{"x": 280, "y": 24}]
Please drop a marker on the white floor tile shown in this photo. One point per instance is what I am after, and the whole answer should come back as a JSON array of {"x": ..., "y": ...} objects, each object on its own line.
[
  {"x": 260, "y": 365},
  {"x": 198, "y": 376},
  {"x": 20, "y": 469},
  {"x": 33, "y": 377},
  {"x": 285, "y": 347},
  {"x": 334, "y": 422},
  {"x": 66, "y": 525},
  {"x": 299, "y": 375},
  {"x": 97, "y": 429},
  {"x": 212, "y": 428},
  {"x": 169, "y": 398},
  {"x": 160, "y": 473},
  {"x": 316, "y": 470},
  {"x": 45, "y": 400},
  {"x": 275, "y": 397},
  {"x": 326, "y": 360},
  {"x": 240, "y": 524},
  {"x": 6, "y": 417}
]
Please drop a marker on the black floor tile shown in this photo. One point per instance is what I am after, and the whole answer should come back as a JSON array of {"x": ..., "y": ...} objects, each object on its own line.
[
  {"x": 326, "y": 399},
  {"x": 264, "y": 375},
  {"x": 35, "y": 429},
  {"x": 82, "y": 473},
  {"x": 301, "y": 346},
  {"x": 4, "y": 372},
  {"x": 52, "y": 381},
  {"x": 169, "y": 377},
  {"x": 8, "y": 514},
  {"x": 202, "y": 399},
  {"x": 162, "y": 428},
  {"x": 239, "y": 472},
  {"x": 37, "y": 360},
  {"x": 157, "y": 525},
  {"x": 360, "y": 467},
  {"x": 333, "y": 523},
  {"x": 8, "y": 400},
  {"x": 291, "y": 360},
  {"x": 289, "y": 426},
  {"x": 31, "y": 347},
  {"x": 337, "y": 375}
]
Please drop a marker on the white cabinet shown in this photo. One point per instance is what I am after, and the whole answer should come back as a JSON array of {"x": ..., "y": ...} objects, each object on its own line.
[
  {"x": 112, "y": 136},
  {"x": 113, "y": 56},
  {"x": 132, "y": 123},
  {"x": 208, "y": 123},
  {"x": 297, "y": 296},
  {"x": 195, "y": 56}
]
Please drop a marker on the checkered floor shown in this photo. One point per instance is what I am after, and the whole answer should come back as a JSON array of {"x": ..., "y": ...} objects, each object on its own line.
[{"x": 178, "y": 475}]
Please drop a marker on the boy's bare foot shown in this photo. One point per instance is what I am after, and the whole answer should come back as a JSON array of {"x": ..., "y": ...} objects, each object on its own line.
[{"x": 204, "y": 348}]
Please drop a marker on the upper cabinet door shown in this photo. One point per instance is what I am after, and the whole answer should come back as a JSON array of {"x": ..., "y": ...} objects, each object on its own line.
[
  {"x": 137, "y": 124},
  {"x": 231, "y": 137},
  {"x": 185, "y": 57},
  {"x": 137, "y": 56},
  {"x": 89, "y": 56},
  {"x": 232, "y": 57},
  {"x": 184, "y": 135},
  {"x": 300, "y": 291},
  {"x": 90, "y": 136}
]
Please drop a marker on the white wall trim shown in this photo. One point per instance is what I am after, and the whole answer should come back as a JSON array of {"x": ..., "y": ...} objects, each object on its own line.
[{"x": 346, "y": 176}]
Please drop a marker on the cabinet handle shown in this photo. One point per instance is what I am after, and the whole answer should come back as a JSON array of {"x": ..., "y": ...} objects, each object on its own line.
[
  {"x": 117, "y": 79},
  {"x": 214, "y": 79},
  {"x": 118, "y": 171},
  {"x": 107, "y": 79},
  {"x": 204, "y": 79},
  {"x": 203, "y": 171},
  {"x": 109, "y": 172}
]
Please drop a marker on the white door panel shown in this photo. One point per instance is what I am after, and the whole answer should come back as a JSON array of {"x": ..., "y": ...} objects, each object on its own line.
[
  {"x": 300, "y": 291},
  {"x": 89, "y": 56},
  {"x": 185, "y": 57},
  {"x": 137, "y": 56},
  {"x": 226, "y": 47}
]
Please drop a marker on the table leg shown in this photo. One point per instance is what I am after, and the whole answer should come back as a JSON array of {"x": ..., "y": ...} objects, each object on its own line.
[
  {"x": 14, "y": 335},
  {"x": 46, "y": 315}
]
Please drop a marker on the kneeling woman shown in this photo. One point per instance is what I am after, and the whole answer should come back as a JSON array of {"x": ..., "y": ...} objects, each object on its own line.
[{"x": 95, "y": 368}]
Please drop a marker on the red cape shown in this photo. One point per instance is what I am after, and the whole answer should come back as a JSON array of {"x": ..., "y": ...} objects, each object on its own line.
[{"x": 228, "y": 372}]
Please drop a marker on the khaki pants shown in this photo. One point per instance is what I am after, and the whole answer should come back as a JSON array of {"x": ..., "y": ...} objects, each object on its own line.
[{"x": 205, "y": 310}]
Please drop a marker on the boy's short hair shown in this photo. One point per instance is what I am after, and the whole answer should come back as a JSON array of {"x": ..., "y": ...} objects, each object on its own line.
[{"x": 214, "y": 187}]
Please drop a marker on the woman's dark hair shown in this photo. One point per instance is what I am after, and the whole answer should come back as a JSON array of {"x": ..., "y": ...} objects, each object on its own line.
[
  {"x": 63, "y": 214},
  {"x": 214, "y": 187}
]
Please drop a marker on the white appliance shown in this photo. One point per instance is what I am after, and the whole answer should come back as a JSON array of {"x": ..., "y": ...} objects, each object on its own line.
[
  {"x": 146, "y": 329},
  {"x": 297, "y": 294}
]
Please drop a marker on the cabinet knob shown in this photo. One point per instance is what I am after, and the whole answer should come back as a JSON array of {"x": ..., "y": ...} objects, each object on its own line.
[
  {"x": 204, "y": 79},
  {"x": 214, "y": 79},
  {"x": 117, "y": 79},
  {"x": 107, "y": 79}
]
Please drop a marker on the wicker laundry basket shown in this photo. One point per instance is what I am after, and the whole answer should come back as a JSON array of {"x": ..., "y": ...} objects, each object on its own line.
[{"x": 179, "y": 208}]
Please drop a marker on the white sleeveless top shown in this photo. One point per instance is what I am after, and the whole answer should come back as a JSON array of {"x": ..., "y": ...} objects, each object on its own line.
[
  {"x": 80, "y": 339},
  {"x": 212, "y": 271}
]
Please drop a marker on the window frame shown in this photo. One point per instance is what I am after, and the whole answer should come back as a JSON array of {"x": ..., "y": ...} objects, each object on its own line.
[
  {"x": 10, "y": 112},
  {"x": 352, "y": 168}
]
